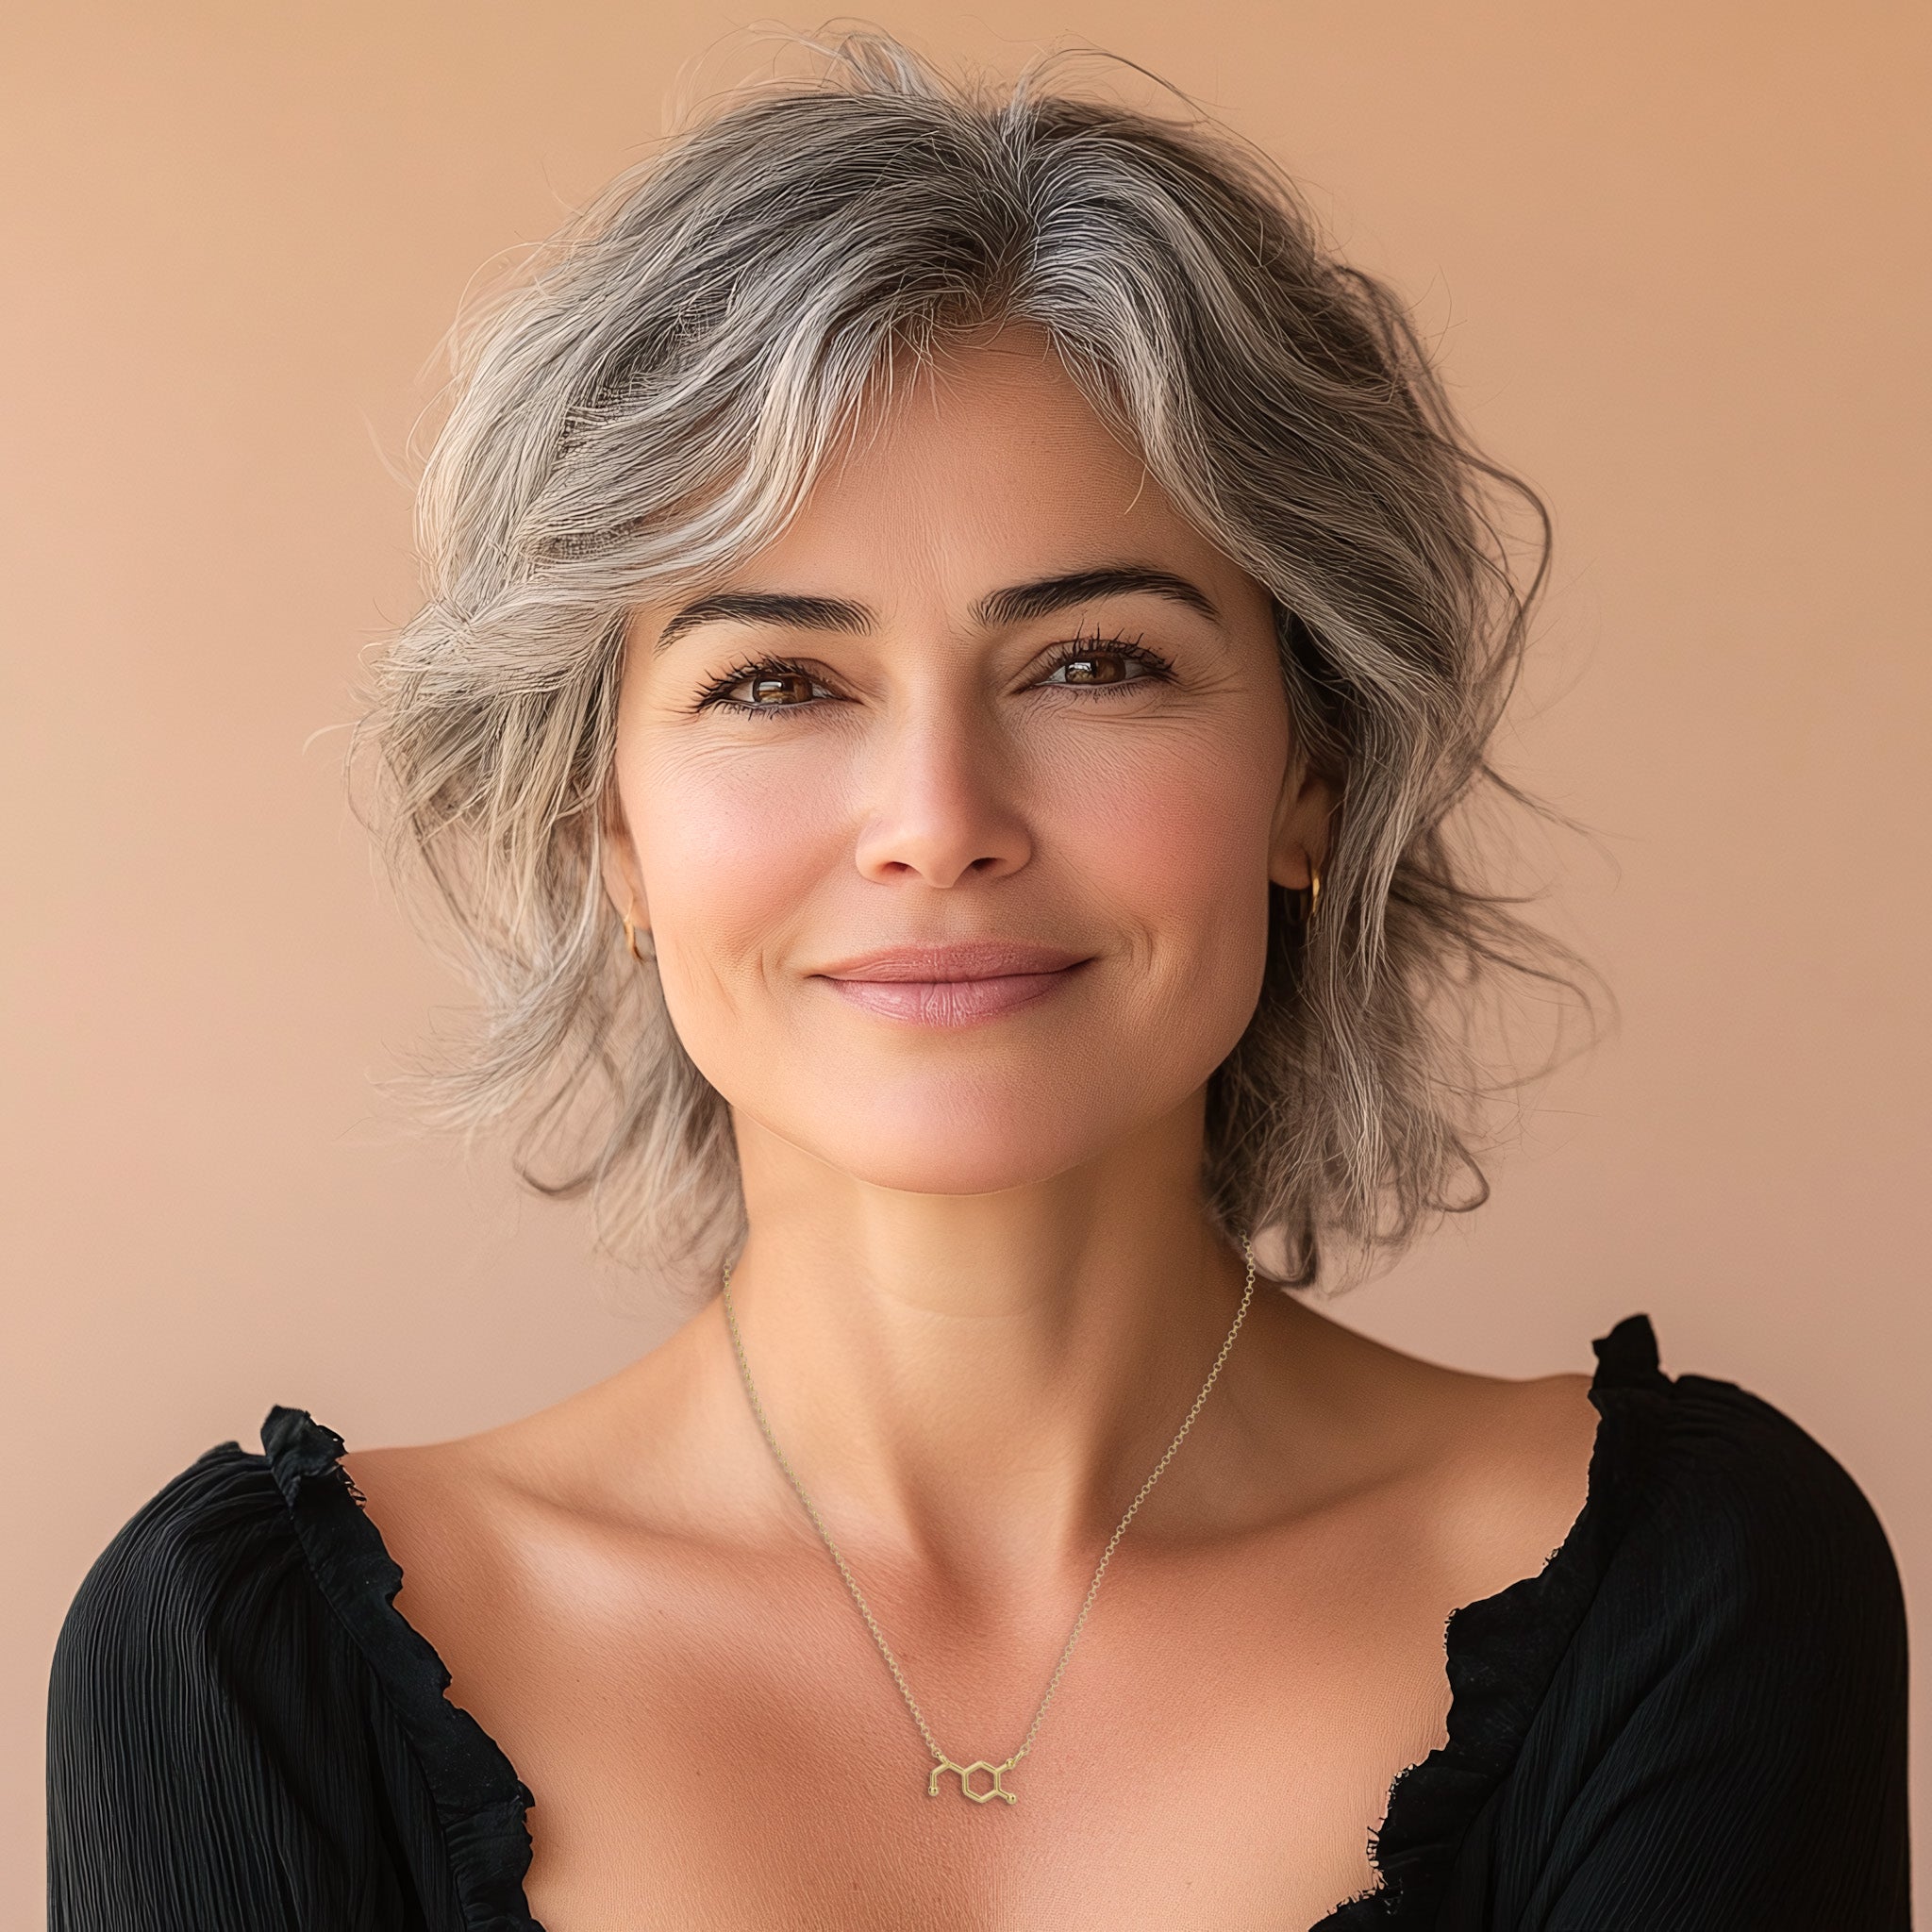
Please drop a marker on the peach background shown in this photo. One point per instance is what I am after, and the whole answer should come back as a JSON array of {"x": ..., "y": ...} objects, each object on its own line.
[{"x": 1675, "y": 260}]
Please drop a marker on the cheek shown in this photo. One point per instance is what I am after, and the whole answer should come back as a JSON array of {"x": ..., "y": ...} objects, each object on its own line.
[
  {"x": 731, "y": 849},
  {"x": 1176, "y": 839}
]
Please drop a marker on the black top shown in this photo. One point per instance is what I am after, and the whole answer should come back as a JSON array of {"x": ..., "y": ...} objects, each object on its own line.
[{"x": 1692, "y": 1719}]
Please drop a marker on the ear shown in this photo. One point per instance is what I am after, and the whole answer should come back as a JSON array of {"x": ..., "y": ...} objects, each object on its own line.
[
  {"x": 1304, "y": 815},
  {"x": 623, "y": 877}
]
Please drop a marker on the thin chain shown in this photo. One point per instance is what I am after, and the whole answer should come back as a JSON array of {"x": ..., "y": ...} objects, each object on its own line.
[{"x": 878, "y": 1636}]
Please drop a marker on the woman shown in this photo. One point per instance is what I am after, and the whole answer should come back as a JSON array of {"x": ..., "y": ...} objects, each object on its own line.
[{"x": 959, "y": 638}]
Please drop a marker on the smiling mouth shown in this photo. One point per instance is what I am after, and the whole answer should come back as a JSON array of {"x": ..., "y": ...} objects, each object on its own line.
[{"x": 887, "y": 990}]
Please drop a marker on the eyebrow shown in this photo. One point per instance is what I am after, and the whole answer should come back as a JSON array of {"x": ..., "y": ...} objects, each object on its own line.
[
  {"x": 766, "y": 606},
  {"x": 1017, "y": 604}
]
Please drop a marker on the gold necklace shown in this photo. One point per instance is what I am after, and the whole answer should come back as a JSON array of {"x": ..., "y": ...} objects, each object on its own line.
[{"x": 943, "y": 1763}]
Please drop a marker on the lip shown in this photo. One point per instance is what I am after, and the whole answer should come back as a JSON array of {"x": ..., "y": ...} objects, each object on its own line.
[
  {"x": 957, "y": 985},
  {"x": 961, "y": 960}
]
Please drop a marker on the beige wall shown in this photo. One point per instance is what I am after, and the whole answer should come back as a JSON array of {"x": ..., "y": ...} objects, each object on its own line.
[{"x": 1675, "y": 258}]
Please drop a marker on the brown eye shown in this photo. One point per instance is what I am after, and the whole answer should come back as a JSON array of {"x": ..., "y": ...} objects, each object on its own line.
[
  {"x": 774, "y": 688},
  {"x": 770, "y": 686},
  {"x": 1103, "y": 666}
]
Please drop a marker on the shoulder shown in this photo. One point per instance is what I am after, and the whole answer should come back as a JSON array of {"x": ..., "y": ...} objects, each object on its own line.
[
  {"x": 207, "y": 1611},
  {"x": 239, "y": 1714},
  {"x": 208, "y": 1552},
  {"x": 247, "y": 1595},
  {"x": 1734, "y": 1704},
  {"x": 1736, "y": 1525},
  {"x": 198, "y": 1674},
  {"x": 1751, "y": 1496}
]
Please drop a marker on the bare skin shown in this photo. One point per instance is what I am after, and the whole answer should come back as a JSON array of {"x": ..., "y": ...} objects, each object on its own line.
[{"x": 980, "y": 1291}]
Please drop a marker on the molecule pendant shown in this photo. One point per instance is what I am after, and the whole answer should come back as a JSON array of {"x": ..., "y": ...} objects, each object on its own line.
[{"x": 965, "y": 1771}]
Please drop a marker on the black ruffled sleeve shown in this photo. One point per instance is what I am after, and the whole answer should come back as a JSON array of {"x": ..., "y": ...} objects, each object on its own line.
[
  {"x": 1745, "y": 1727},
  {"x": 1694, "y": 1719},
  {"x": 220, "y": 1758}
]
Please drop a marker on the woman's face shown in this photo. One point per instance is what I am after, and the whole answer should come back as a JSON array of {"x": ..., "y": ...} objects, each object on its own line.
[{"x": 988, "y": 690}]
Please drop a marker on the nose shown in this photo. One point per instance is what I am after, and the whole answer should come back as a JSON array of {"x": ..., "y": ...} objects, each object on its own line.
[{"x": 944, "y": 797}]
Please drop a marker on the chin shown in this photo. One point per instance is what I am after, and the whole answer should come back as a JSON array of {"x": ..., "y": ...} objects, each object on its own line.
[
  {"x": 988, "y": 1122},
  {"x": 950, "y": 1141}
]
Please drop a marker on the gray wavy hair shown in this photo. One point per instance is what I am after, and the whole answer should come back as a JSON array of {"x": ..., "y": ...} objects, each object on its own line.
[{"x": 650, "y": 401}]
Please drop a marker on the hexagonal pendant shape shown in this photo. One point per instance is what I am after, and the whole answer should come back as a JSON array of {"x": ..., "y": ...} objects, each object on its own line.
[{"x": 965, "y": 1775}]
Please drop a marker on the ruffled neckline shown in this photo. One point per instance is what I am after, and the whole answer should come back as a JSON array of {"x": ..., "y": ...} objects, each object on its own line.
[
  {"x": 480, "y": 1802},
  {"x": 1501, "y": 1651}
]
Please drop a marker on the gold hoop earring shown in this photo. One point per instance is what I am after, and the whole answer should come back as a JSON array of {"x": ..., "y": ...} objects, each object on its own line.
[
  {"x": 1314, "y": 893},
  {"x": 631, "y": 932}
]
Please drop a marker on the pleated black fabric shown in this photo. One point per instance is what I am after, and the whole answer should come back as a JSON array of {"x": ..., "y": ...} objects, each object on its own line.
[{"x": 1692, "y": 1719}]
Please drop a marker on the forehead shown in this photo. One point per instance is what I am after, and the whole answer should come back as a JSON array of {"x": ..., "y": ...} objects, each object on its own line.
[{"x": 984, "y": 467}]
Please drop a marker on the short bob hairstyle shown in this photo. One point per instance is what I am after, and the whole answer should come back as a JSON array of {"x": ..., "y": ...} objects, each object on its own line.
[{"x": 652, "y": 399}]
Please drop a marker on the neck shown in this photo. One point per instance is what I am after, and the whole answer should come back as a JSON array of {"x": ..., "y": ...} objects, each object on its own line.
[{"x": 982, "y": 1382}]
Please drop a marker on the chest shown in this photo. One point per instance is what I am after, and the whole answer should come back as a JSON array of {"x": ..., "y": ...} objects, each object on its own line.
[{"x": 716, "y": 1746}]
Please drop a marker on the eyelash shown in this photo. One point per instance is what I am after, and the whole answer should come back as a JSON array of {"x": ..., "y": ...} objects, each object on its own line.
[{"x": 1159, "y": 668}]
